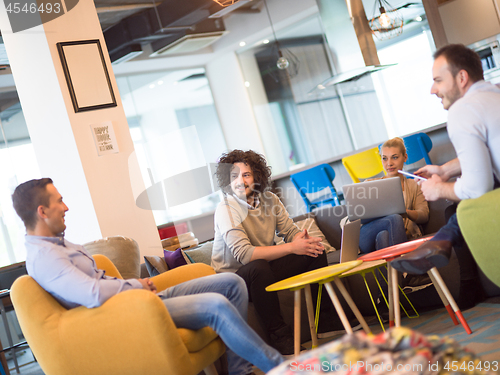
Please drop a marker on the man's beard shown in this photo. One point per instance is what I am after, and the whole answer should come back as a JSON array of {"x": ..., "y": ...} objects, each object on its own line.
[{"x": 454, "y": 95}]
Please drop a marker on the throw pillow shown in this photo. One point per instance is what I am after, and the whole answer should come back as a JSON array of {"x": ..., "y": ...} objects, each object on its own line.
[
  {"x": 312, "y": 230},
  {"x": 155, "y": 265},
  {"x": 175, "y": 258},
  {"x": 202, "y": 253}
]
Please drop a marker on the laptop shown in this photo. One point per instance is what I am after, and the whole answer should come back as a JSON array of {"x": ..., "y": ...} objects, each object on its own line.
[
  {"x": 350, "y": 241},
  {"x": 374, "y": 199}
]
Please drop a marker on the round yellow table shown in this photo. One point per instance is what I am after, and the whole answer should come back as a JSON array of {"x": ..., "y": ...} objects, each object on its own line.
[{"x": 321, "y": 276}]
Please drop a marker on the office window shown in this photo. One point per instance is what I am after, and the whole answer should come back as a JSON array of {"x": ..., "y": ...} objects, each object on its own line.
[
  {"x": 302, "y": 126},
  {"x": 19, "y": 164},
  {"x": 404, "y": 90},
  {"x": 175, "y": 129}
]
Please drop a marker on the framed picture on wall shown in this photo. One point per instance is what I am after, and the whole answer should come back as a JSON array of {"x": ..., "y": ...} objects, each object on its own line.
[{"x": 86, "y": 75}]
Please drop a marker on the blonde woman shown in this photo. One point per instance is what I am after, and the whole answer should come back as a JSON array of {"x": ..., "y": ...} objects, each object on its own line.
[{"x": 393, "y": 229}]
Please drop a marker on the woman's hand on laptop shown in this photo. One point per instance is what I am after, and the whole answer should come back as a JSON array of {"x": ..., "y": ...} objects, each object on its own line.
[{"x": 307, "y": 245}]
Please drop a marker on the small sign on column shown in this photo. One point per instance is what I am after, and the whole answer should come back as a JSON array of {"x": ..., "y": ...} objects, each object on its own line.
[{"x": 104, "y": 137}]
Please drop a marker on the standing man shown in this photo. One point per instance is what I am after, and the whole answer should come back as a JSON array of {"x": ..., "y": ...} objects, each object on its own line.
[
  {"x": 246, "y": 223},
  {"x": 474, "y": 130},
  {"x": 68, "y": 272}
]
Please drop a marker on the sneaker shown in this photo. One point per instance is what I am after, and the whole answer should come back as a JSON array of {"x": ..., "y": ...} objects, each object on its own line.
[
  {"x": 337, "y": 328},
  {"x": 412, "y": 283}
]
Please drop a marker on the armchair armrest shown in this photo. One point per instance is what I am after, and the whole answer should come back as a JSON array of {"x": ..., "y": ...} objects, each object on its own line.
[{"x": 181, "y": 274}]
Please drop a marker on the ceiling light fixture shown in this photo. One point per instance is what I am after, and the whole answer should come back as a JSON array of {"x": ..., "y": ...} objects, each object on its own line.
[
  {"x": 389, "y": 23},
  {"x": 225, "y": 3},
  {"x": 286, "y": 59}
]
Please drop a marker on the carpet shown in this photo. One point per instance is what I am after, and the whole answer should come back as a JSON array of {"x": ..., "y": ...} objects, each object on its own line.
[{"x": 483, "y": 319}]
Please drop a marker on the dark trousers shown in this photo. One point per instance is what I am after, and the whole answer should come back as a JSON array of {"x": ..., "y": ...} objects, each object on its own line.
[
  {"x": 451, "y": 232},
  {"x": 260, "y": 273}
]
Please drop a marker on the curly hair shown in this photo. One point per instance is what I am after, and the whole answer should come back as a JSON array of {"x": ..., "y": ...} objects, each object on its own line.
[{"x": 261, "y": 171}]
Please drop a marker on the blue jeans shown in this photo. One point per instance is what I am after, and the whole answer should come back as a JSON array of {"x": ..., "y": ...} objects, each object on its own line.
[
  {"x": 450, "y": 232},
  {"x": 221, "y": 303},
  {"x": 380, "y": 233}
]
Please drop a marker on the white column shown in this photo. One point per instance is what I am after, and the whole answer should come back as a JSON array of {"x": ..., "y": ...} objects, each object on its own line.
[{"x": 97, "y": 189}]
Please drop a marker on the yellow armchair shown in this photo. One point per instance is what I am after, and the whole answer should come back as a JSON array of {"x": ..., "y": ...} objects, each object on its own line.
[{"x": 131, "y": 333}]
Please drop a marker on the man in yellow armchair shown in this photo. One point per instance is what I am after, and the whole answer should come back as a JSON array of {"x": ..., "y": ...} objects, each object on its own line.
[{"x": 68, "y": 272}]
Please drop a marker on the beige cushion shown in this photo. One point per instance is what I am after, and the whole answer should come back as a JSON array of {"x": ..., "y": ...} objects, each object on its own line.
[
  {"x": 312, "y": 230},
  {"x": 122, "y": 251}
]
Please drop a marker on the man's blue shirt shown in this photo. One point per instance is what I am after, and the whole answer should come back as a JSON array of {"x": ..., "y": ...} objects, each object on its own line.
[{"x": 69, "y": 273}]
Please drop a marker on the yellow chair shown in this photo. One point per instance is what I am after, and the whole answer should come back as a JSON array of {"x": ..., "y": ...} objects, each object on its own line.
[
  {"x": 364, "y": 164},
  {"x": 131, "y": 333}
]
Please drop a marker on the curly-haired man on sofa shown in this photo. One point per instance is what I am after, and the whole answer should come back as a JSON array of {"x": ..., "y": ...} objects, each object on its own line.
[{"x": 246, "y": 223}]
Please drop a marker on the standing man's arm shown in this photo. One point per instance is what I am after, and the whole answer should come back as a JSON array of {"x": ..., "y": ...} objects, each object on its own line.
[
  {"x": 437, "y": 185},
  {"x": 445, "y": 171},
  {"x": 468, "y": 135},
  {"x": 435, "y": 188}
]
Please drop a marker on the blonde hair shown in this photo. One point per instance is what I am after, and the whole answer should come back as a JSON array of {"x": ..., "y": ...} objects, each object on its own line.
[{"x": 395, "y": 142}]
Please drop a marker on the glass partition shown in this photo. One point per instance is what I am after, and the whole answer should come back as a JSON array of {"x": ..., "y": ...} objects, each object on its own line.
[
  {"x": 175, "y": 129},
  {"x": 301, "y": 125},
  {"x": 18, "y": 161}
]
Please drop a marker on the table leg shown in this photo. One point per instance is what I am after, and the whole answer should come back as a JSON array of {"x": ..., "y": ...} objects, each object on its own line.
[
  {"x": 391, "y": 295},
  {"x": 297, "y": 322},
  {"x": 395, "y": 297},
  {"x": 449, "y": 297},
  {"x": 310, "y": 315},
  {"x": 351, "y": 304},
  {"x": 443, "y": 298},
  {"x": 338, "y": 307}
]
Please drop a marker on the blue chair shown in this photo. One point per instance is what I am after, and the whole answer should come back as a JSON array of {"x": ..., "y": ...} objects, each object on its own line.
[
  {"x": 418, "y": 147},
  {"x": 315, "y": 180}
]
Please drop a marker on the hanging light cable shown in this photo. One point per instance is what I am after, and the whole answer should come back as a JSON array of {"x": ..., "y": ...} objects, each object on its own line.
[{"x": 286, "y": 59}]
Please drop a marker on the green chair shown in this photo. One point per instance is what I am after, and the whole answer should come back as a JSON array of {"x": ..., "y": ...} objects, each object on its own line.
[{"x": 480, "y": 225}]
